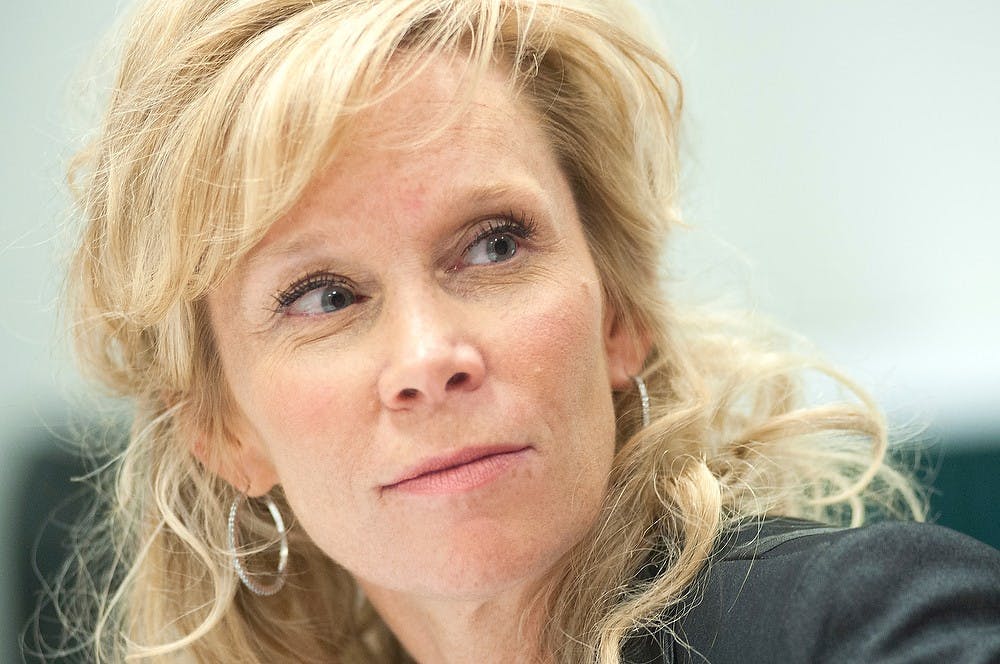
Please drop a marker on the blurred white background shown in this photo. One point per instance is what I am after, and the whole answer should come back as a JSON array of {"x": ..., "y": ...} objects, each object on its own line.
[{"x": 842, "y": 176}]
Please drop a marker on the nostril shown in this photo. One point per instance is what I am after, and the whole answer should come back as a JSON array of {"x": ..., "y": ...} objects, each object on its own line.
[
  {"x": 408, "y": 393},
  {"x": 457, "y": 379}
]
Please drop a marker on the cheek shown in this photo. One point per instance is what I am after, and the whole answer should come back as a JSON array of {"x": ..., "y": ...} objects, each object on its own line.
[
  {"x": 562, "y": 373},
  {"x": 563, "y": 344},
  {"x": 307, "y": 411},
  {"x": 319, "y": 431},
  {"x": 301, "y": 398},
  {"x": 563, "y": 364}
]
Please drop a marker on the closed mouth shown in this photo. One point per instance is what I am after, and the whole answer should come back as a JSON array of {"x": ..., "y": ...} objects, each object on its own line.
[{"x": 464, "y": 469}]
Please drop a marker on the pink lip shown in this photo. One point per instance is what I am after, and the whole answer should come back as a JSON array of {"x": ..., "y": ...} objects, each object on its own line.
[{"x": 462, "y": 471}]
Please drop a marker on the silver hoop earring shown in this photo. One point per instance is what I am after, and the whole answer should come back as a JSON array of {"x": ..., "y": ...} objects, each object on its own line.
[
  {"x": 644, "y": 398},
  {"x": 233, "y": 541}
]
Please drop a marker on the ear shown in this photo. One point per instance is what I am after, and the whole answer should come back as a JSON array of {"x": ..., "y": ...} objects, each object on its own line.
[
  {"x": 237, "y": 457},
  {"x": 626, "y": 349}
]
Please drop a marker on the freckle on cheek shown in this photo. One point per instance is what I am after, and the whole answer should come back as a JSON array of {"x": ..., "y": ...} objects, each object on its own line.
[{"x": 414, "y": 203}]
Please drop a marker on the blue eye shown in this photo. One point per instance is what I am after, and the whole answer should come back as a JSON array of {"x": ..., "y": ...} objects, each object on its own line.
[
  {"x": 499, "y": 241},
  {"x": 315, "y": 295},
  {"x": 494, "y": 248}
]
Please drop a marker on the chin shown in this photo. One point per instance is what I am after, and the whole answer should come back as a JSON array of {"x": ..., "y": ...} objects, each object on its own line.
[{"x": 486, "y": 559}]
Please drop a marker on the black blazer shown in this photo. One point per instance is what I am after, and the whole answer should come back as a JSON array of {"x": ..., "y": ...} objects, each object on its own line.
[{"x": 786, "y": 591}]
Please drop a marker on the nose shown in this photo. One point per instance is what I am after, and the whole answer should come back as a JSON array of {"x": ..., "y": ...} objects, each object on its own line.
[{"x": 432, "y": 357}]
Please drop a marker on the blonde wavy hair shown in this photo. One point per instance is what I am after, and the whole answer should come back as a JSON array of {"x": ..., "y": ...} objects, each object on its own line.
[{"x": 222, "y": 113}]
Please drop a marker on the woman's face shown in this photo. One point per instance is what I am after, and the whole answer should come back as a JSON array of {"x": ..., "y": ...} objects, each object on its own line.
[{"x": 420, "y": 354}]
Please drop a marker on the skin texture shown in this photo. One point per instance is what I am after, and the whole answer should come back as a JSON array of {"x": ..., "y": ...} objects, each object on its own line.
[{"x": 443, "y": 349}]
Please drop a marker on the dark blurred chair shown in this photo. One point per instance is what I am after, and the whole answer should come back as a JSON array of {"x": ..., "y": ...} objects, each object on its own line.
[
  {"x": 48, "y": 503},
  {"x": 966, "y": 486}
]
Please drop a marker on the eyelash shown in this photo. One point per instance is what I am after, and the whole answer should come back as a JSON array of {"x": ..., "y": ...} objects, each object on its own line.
[
  {"x": 514, "y": 223},
  {"x": 517, "y": 224},
  {"x": 307, "y": 284}
]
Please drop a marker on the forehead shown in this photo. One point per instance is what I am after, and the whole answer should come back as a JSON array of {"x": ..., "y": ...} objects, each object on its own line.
[
  {"x": 439, "y": 99},
  {"x": 442, "y": 137}
]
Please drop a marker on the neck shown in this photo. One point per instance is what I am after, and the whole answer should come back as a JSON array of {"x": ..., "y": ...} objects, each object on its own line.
[{"x": 442, "y": 631}]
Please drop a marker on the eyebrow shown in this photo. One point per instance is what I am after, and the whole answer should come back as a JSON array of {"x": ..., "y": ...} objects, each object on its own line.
[{"x": 300, "y": 242}]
